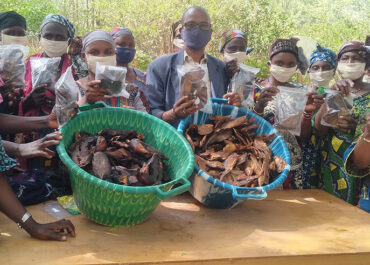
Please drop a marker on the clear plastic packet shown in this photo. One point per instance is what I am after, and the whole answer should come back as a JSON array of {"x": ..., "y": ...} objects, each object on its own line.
[
  {"x": 112, "y": 79},
  {"x": 290, "y": 103},
  {"x": 242, "y": 83},
  {"x": 67, "y": 93},
  {"x": 336, "y": 106},
  {"x": 44, "y": 71},
  {"x": 56, "y": 210},
  {"x": 193, "y": 85},
  {"x": 12, "y": 68}
]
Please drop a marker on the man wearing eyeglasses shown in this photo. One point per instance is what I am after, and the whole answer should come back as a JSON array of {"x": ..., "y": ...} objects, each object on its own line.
[{"x": 162, "y": 88}]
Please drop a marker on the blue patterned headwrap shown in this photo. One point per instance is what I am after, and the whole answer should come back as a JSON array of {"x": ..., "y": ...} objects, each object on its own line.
[
  {"x": 323, "y": 55},
  {"x": 61, "y": 20}
]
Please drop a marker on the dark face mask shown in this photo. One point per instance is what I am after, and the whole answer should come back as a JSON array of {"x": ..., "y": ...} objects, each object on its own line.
[
  {"x": 196, "y": 38},
  {"x": 125, "y": 55}
]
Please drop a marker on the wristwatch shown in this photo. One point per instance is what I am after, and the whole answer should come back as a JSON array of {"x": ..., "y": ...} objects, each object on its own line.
[{"x": 24, "y": 219}]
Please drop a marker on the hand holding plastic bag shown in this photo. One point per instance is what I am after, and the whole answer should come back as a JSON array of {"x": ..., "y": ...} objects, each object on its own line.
[
  {"x": 44, "y": 71},
  {"x": 67, "y": 94},
  {"x": 336, "y": 106},
  {"x": 242, "y": 83},
  {"x": 112, "y": 79},
  {"x": 193, "y": 85},
  {"x": 290, "y": 103}
]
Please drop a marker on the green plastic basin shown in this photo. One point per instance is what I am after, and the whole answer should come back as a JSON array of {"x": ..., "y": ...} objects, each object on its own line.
[{"x": 111, "y": 204}]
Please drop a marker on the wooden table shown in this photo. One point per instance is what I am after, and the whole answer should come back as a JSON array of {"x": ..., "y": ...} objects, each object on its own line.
[{"x": 289, "y": 227}]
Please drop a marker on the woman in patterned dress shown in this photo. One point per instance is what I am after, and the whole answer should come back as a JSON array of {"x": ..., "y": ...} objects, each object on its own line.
[
  {"x": 284, "y": 62},
  {"x": 353, "y": 57}
]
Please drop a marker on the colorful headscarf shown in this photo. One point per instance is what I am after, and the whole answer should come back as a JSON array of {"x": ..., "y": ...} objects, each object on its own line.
[
  {"x": 75, "y": 46},
  {"x": 61, "y": 20},
  {"x": 283, "y": 45},
  {"x": 323, "y": 55},
  {"x": 117, "y": 31},
  {"x": 96, "y": 35},
  {"x": 355, "y": 46},
  {"x": 11, "y": 19},
  {"x": 229, "y": 35},
  {"x": 290, "y": 46}
]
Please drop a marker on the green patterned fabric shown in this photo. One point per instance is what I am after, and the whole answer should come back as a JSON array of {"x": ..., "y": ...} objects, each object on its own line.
[
  {"x": 111, "y": 204},
  {"x": 335, "y": 179}
]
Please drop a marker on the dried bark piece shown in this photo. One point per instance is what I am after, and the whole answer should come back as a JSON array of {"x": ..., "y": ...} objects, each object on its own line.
[
  {"x": 219, "y": 137},
  {"x": 233, "y": 123},
  {"x": 203, "y": 142},
  {"x": 187, "y": 136},
  {"x": 214, "y": 173},
  {"x": 100, "y": 165},
  {"x": 215, "y": 164},
  {"x": 229, "y": 163},
  {"x": 200, "y": 162},
  {"x": 239, "y": 137},
  {"x": 242, "y": 159},
  {"x": 246, "y": 130},
  {"x": 221, "y": 155},
  {"x": 205, "y": 129},
  {"x": 280, "y": 164},
  {"x": 219, "y": 120}
]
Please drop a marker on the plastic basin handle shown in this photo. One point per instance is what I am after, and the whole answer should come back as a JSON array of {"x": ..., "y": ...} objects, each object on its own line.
[
  {"x": 219, "y": 100},
  {"x": 163, "y": 195},
  {"x": 249, "y": 196}
]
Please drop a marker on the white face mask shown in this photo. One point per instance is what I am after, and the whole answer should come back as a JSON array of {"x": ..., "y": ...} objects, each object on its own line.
[
  {"x": 179, "y": 43},
  {"x": 282, "y": 74},
  {"x": 7, "y": 39},
  {"x": 54, "y": 48},
  {"x": 240, "y": 56},
  {"x": 352, "y": 71},
  {"x": 106, "y": 60},
  {"x": 319, "y": 79}
]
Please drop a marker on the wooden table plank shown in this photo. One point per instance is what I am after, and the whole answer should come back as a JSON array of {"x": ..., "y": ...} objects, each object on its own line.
[{"x": 289, "y": 227}]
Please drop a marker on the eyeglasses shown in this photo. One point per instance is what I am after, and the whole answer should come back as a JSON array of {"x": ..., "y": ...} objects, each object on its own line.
[{"x": 201, "y": 25}]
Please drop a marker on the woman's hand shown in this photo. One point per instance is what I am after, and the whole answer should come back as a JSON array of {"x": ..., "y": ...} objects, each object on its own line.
[
  {"x": 35, "y": 99},
  {"x": 53, "y": 120},
  {"x": 12, "y": 94},
  {"x": 39, "y": 148},
  {"x": 343, "y": 86},
  {"x": 266, "y": 96},
  {"x": 231, "y": 68},
  {"x": 52, "y": 231},
  {"x": 94, "y": 92},
  {"x": 233, "y": 99},
  {"x": 346, "y": 124},
  {"x": 314, "y": 102}
]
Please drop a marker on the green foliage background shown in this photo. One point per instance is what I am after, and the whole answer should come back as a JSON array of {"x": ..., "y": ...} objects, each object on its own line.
[{"x": 329, "y": 22}]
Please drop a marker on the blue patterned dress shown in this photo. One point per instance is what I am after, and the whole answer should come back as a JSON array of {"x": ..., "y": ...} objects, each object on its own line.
[{"x": 6, "y": 163}]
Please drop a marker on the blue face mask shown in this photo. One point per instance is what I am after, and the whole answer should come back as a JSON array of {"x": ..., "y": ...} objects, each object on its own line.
[
  {"x": 125, "y": 55},
  {"x": 196, "y": 38}
]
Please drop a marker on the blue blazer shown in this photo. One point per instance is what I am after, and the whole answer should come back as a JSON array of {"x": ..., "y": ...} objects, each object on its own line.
[{"x": 163, "y": 84}]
